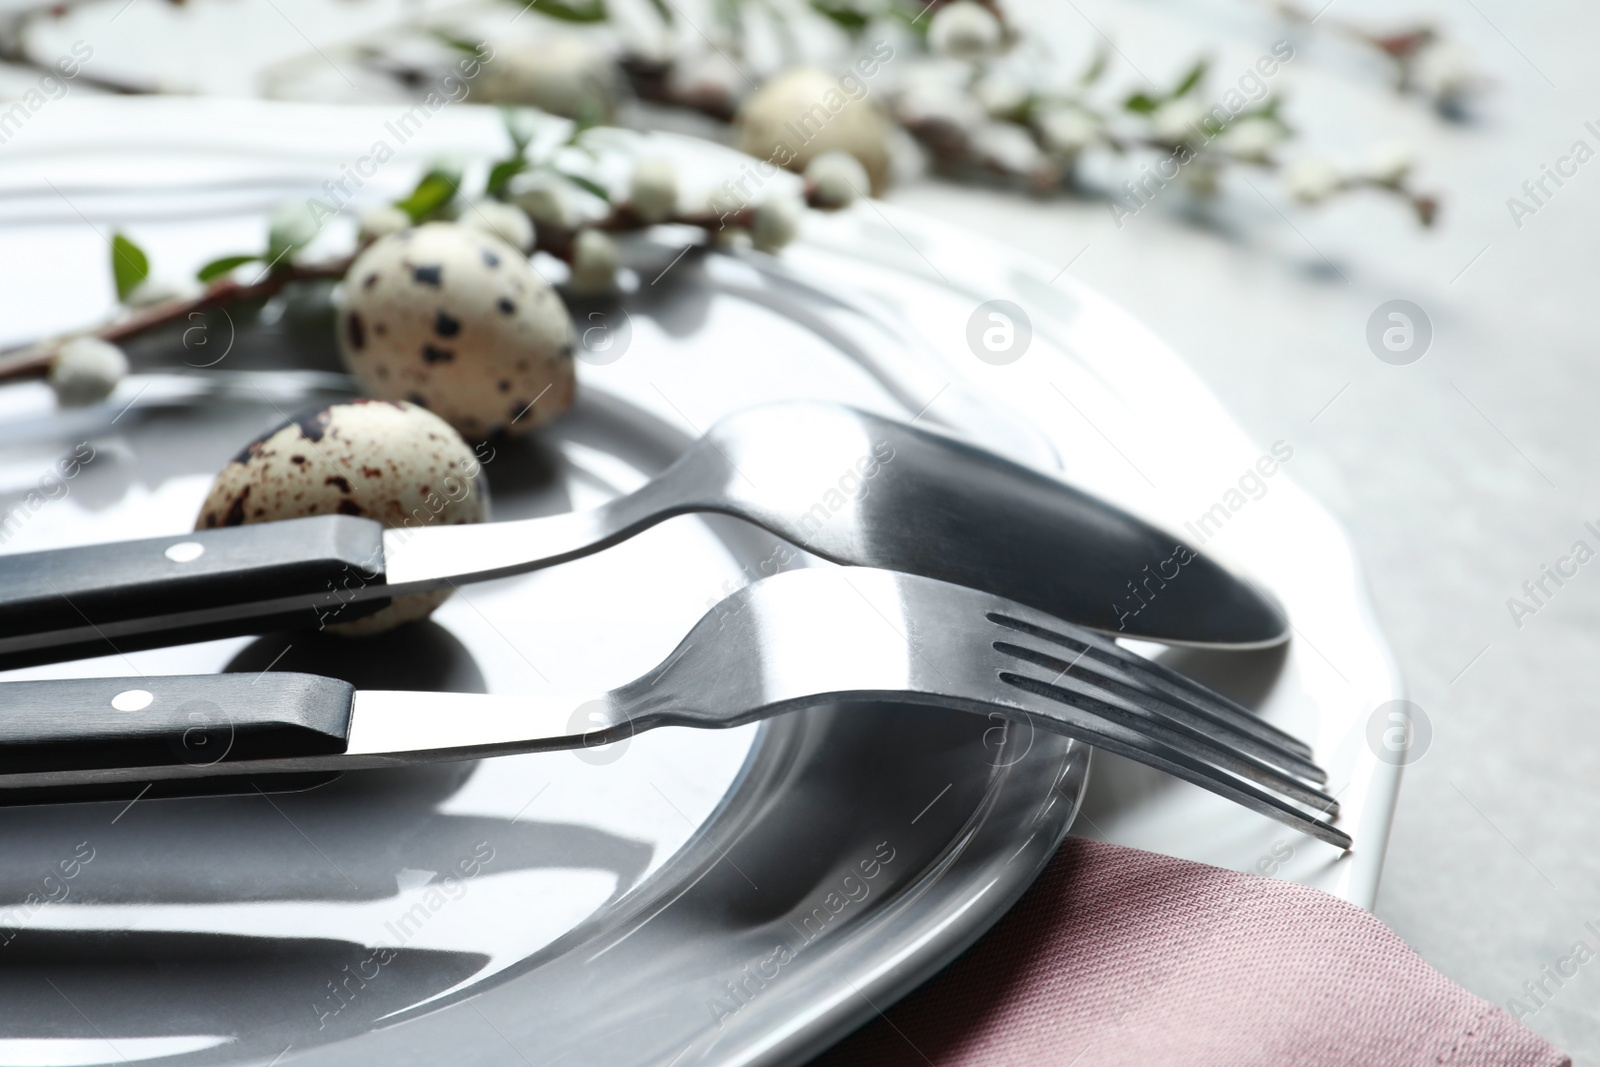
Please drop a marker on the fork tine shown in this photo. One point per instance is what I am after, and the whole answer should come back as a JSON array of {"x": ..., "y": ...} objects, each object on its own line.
[
  {"x": 1194, "y": 716},
  {"x": 1074, "y": 715},
  {"x": 1159, "y": 676},
  {"x": 1179, "y": 732}
]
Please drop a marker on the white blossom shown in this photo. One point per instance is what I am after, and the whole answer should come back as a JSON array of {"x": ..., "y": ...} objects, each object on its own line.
[
  {"x": 595, "y": 259},
  {"x": 153, "y": 291},
  {"x": 653, "y": 189},
  {"x": 1008, "y": 147},
  {"x": 380, "y": 221},
  {"x": 505, "y": 221},
  {"x": 837, "y": 180},
  {"x": 1179, "y": 121},
  {"x": 545, "y": 198},
  {"x": 776, "y": 222},
  {"x": 1388, "y": 163},
  {"x": 1000, "y": 93},
  {"x": 1312, "y": 179},
  {"x": 1252, "y": 139},
  {"x": 86, "y": 370},
  {"x": 1067, "y": 130},
  {"x": 1444, "y": 71},
  {"x": 964, "y": 30}
]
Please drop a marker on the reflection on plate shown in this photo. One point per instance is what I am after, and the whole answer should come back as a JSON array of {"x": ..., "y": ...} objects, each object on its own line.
[{"x": 691, "y": 897}]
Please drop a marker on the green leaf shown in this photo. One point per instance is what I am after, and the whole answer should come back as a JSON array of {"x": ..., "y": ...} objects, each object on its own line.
[
  {"x": 663, "y": 9},
  {"x": 844, "y": 16},
  {"x": 218, "y": 267},
  {"x": 501, "y": 173},
  {"x": 1097, "y": 66},
  {"x": 434, "y": 191},
  {"x": 588, "y": 185},
  {"x": 571, "y": 10},
  {"x": 460, "y": 44},
  {"x": 1143, "y": 103},
  {"x": 520, "y": 127},
  {"x": 1192, "y": 79},
  {"x": 129, "y": 265}
]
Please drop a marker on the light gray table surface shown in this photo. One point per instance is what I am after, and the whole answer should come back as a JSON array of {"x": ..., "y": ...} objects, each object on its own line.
[{"x": 1458, "y": 477}]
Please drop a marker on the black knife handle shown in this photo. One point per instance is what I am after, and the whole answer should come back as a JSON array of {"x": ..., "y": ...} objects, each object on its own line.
[
  {"x": 80, "y": 724},
  {"x": 96, "y": 599}
]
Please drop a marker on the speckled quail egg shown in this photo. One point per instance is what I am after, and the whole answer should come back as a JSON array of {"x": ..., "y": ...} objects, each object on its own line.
[
  {"x": 390, "y": 461},
  {"x": 564, "y": 75},
  {"x": 456, "y": 320},
  {"x": 806, "y": 111}
]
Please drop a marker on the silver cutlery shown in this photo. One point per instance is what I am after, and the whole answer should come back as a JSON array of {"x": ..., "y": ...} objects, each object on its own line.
[
  {"x": 848, "y": 486},
  {"x": 840, "y": 635}
]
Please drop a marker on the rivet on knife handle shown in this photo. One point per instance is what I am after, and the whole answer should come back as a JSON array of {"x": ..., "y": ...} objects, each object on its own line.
[
  {"x": 149, "y": 722},
  {"x": 100, "y": 599}
]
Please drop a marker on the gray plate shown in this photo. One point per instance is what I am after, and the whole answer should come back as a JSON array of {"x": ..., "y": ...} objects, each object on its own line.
[{"x": 689, "y": 897}]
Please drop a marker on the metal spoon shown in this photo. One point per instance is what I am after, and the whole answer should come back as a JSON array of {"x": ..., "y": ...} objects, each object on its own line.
[{"x": 848, "y": 486}]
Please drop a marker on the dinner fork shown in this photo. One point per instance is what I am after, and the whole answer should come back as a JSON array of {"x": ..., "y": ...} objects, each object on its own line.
[{"x": 819, "y": 635}]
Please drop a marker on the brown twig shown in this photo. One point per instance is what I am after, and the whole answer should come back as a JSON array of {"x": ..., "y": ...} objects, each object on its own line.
[{"x": 34, "y": 360}]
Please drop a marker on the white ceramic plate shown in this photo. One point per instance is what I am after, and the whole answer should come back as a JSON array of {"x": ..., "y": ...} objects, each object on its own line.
[{"x": 873, "y": 308}]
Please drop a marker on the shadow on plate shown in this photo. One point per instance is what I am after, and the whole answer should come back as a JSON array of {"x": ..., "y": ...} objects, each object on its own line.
[
  {"x": 421, "y": 656},
  {"x": 256, "y": 990}
]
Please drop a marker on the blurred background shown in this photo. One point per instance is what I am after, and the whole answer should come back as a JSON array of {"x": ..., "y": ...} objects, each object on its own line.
[{"x": 1368, "y": 226}]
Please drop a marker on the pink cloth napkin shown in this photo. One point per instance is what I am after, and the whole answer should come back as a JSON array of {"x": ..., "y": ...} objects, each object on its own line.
[{"x": 1121, "y": 957}]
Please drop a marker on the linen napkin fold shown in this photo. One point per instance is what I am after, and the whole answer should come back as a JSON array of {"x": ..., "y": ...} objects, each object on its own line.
[{"x": 1122, "y": 957}]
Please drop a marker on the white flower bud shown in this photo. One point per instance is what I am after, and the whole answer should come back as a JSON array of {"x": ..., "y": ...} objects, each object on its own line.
[
  {"x": 86, "y": 370},
  {"x": 776, "y": 222},
  {"x": 1388, "y": 163},
  {"x": 505, "y": 221},
  {"x": 964, "y": 30},
  {"x": 1180, "y": 121},
  {"x": 837, "y": 179},
  {"x": 1068, "y": 130},
  {"x": 1445, "y": 72},
  {"x": 1007, "y": 147},
  {"x": 653, "y": 189},
  {"x": 1252, "y": 140},
  {"x": 1202, "y": 178},
  {"x": 594, "y": 262},
  {"x": 545, "y": 199},
  {"x": 929, "y": 96},
  {"x": 731, "y": 238},
  {"x": 151, "y": 292},
  {"x": 1001, "y": 94},
  {"x": 1312, "y": 179},
  {"x": 380, "y": 221}
]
